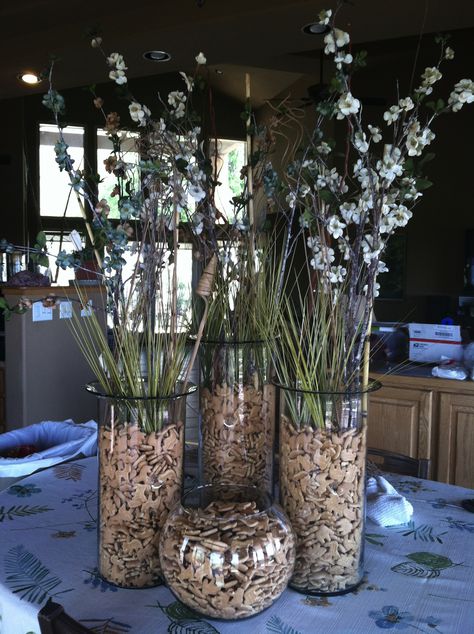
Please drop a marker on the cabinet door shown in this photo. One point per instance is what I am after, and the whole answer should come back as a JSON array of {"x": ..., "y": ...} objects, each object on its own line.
[
  {"x": 456, "y": 439},
  {"x": 2, "y": 399},
  {"x": 400, "y": 420}
]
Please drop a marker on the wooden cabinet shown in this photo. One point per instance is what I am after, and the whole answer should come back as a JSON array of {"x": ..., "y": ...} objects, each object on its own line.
[
  {"x": 429, "y": 418},
  {"x": 401, "y": 420},
  {"x": 456, "y": 439},
  {"x": 2, "y": 398}
]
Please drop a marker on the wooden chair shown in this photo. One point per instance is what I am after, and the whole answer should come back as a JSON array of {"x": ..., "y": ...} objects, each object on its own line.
[
  {"x": 52, "y": 619},
  {"x": 398, "y": 463}
]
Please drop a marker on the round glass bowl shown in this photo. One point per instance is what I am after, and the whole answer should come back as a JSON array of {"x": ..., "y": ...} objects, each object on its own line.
[{"x": 228, "y": 551}]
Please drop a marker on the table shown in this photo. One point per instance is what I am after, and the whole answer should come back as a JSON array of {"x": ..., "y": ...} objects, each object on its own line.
[{"x": 419, "y": 577}]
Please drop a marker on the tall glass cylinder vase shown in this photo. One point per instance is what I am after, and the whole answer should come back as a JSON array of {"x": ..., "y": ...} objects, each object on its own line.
[
  {"x": 141, "y": 449},
  {"x": 237, "y": 414},
  {"x": 322, "y": 486}
]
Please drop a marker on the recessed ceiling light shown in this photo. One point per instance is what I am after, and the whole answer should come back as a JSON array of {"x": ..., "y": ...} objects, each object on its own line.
[
  {"x": 157, "y": 56},
  {"x": 29, "y": 78},
  {"x": 315, "y": 28}
]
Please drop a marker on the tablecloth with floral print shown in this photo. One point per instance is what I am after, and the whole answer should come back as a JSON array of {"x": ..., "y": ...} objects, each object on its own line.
[{"x": 419, "y": 577}]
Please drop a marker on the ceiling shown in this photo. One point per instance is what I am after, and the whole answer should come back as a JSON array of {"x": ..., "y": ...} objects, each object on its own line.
[{"x": 263, "y": 37}]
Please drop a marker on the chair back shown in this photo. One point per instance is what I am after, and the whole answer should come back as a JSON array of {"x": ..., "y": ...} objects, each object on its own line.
[
  {"x": 52, "y": 619},
  {"x": 399, "y": 463}
]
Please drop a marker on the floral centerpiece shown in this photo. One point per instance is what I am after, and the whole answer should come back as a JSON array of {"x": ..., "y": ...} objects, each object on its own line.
[
  {"x": 142, "y": 364},
  {"x": 236, "y": 395},
  {"x": 346, "y": 211}
]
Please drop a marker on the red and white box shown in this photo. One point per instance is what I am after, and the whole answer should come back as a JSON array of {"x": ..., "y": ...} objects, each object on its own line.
[{"x": 429, "y": 343}]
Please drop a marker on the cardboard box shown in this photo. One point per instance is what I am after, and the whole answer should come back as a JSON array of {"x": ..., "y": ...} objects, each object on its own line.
[{"x": 430, "y": 342}]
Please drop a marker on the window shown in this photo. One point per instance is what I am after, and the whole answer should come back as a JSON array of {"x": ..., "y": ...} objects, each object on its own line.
[
  {"x": 57, "y": 199},
  {"x": 55, "y": 243},
  {"x": 230, "y": 160},
  {"x": 185, "y": 274},
  {"x": 89, "y": 148},
  {"x": 108, "y": 180}
]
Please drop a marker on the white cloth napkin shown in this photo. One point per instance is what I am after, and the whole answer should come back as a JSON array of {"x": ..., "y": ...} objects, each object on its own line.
[
  {"x": 385, "y": 506},
  {"x": 57, "y": 441}
]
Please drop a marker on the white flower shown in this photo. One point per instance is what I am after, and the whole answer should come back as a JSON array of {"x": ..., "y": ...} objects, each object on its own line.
[
  {"x": 463, "y": 93},
  {"x": 423, "y": 90},
  {"x": 366, "y": 200},
  {"x": 375, "y": 133},
  {"x": 406, "y": 104},
  {"x": 139, "y": 113},
  {"x": 387, "y": 224},
  {"x": 448, "y": 53},
  {"x": 196, "y": 192},
  {"x": 118, "y": 76},
  {"x": 370, "y": 251},
  {"x": 346, "y": 105},
  {"x": 316, "y": 264},
  {"x": 427, "y": 136},
  {"x": 464, "y": 85},
  {"x": 336, "y": 274},
  {"x": 180, "y": 111},
  {"x": 358, "y": 167},
  {"x": 342, "y": 58},
  {"x": 188, "y": 81},
  {"x": 291, "y": 200},
  {"x": 415, "y": 142},
  {"x": 310, "y": 164},
  {"x": 116, "y": 60},
  {"x": 330, "y": 44},
  {"x": 342, "y": 38},
  {"x": 392, "y": 114},
  {"x": 382, "y": 267},
  {"x": 323, "y": 256},
  {"x": 401, "y": 215},
  {"x": 176, "y": 97},
  {"x": 345, "y": 249},
  {"x": 350, "y": 212},
  {"x": 391, "y": 166},
  {"x": 200, "y": 59},
  {"x": 304, "y": 224},
  {"x": 322, "y": 148},
  {"x": 430, "y": 76},
  {"x": 324, "y": 16},
  {"x": 411, "y": 192},
  {"x": 360, "y": 142},
  {"x": 335, "y": 39},
  {"x": 320, "y": 181},
  {"x": 335, "y": 227}
]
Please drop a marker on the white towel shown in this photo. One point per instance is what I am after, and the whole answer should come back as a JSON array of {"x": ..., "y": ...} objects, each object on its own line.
[{"x": 385, "y": 506}]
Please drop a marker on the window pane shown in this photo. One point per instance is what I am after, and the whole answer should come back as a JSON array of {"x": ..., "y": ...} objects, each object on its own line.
[
  {"x": 55, "y": 192},
  {"x": 230, "y": 160},
  {"x": 108, "y": 181},
  {"x": 185, "y": 273},
  {"x": 54, "y": 244}
]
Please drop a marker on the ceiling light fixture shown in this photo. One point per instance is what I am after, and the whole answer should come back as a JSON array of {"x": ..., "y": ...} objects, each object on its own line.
[
  {"x": 157, "y": 56},
  {"x": 315, "y": 28},
  {"x": 29, "y": 78}
]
